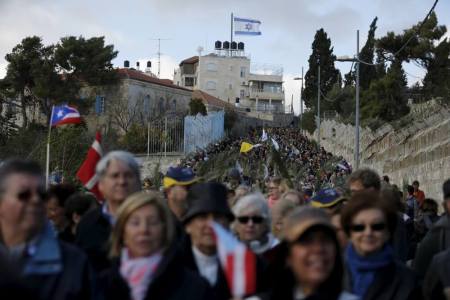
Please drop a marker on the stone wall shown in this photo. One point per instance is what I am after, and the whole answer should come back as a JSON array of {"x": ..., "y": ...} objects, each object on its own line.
[
  {"x": 148, "y": 164},
  {"x": 420, "y": 150}
]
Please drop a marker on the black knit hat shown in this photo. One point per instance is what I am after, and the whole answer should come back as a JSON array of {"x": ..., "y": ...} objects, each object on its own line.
[{"x": 208, "y": 197}]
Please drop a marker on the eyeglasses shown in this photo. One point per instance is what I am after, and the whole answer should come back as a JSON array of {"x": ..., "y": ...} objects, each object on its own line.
[
  {"x": 373, "y": 227},
  {"x": 25, "y": 196},
  {"x": 255, "y": 219}
]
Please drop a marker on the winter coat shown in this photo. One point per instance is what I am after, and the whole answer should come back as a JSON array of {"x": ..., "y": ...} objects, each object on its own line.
[
  {"x": 56, "y": 270},
  {"x": 172, "y": 281},
  {"x": 92, "y": 237},
  {"x": 393, "y": 282},
  {"x": 435, "y": 241},
  {"x": 437, "y": 277}
]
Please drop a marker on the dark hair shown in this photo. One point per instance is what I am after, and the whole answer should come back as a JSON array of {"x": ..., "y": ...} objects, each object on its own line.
[
  {"x": 368, "y": 200},
  {"x": 446, "y": 189},
  {"x": 14, "y": 166},
  {"x": 415, "y": 182},
  {"x": 430, "y": 205},
  {"x": 333, "y": 285},
  {"x": 368, "y": 177},
  {"x": 410, "y": 189},
  {"x": 78, "y": 203},
  {"x": 386, "y": 178},
  {"x": 61, "y": 192}
]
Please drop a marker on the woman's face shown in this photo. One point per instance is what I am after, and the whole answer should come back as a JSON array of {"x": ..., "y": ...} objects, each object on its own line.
[
  {"x": 55, "y": 213},
  {"x": 274, "y": 190},
  {"x": 143, "y": 234},
  {"x": 312, "y": 258},
  {"x": 368, "y": 232},
  {"x": 250, "y": 225}
]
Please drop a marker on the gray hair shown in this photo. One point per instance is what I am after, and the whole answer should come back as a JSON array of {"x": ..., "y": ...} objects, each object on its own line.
[
  {"x": 122, "y": 156},
  {"x": 253, "y": 201}
]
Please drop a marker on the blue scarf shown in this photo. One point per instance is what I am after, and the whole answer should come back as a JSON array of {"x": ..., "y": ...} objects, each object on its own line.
[{"x": 363, "y": 269}]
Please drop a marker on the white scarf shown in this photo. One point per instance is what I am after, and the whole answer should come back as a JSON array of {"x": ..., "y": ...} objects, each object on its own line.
[{"x": 139, "y": 272}]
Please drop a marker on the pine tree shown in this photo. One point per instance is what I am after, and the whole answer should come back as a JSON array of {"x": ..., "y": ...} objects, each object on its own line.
[
  {"x": 437, "y": 80},
  {"x": 368, "y": 73},
  {"x": 322, "y": 54}
]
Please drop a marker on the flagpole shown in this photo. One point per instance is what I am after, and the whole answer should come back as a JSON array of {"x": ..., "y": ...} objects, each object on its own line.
[
  {"x": 231, "y": 32},
  {"x": 47, "y": 163}
]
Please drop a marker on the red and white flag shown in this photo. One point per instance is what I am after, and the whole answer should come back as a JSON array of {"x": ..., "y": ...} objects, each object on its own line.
[
  {"x": 86, "y": 174},
  {"x": 238, "y": 262}
]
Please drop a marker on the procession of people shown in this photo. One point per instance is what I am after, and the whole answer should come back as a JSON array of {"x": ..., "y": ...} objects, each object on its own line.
[{"x": 324, "y": 232}]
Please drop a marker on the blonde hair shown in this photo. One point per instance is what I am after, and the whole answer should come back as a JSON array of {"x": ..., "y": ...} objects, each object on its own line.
[{"x": 133, "y": 203}]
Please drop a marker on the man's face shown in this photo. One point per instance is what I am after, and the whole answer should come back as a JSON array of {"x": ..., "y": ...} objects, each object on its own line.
[
  {"x": 356, "y": 186},
  {"x": 118, "y": 182},
  {"x": 176, "y": 198},
  {"x": 201, "y": 232},
  {"x": 415, "y": 186},
  {"x": 22, "y": 204}
]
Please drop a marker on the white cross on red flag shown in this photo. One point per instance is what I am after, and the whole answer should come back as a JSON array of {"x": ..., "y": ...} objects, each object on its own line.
[{"x": 86, "y": 173}]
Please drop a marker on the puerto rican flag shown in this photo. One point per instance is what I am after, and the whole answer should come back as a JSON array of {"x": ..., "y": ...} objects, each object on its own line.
[
  {"x": 64, "y": 114},
  {"x": 238, "y": 262},
  {"x": 86, "y": 173}
]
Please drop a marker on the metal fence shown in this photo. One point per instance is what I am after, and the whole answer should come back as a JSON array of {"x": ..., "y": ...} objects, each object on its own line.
[
  {"x": 165, "y": 136},
  {"x": 199, "y": 131}
]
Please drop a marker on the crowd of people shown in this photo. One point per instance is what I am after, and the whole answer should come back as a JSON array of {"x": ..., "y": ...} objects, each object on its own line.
[
  {"x": 362, "y": 240},
  {"x": 309, "y": 167}
]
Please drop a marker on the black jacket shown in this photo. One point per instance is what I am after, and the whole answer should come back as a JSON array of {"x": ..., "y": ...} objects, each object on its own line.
[
  {"x": 74, "y": 282},
  {"x": 437, "y": 277},
  {"x": 435, "y": 241},
  {"x": 220, "y": 289},
  {"x": 92, "y": 236},
  {"x": 393, "y": 282},
  {"x": 172, "y": 281}
]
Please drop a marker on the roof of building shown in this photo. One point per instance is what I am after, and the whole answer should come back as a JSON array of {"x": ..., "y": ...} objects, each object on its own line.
[
  {"x": 140, "y": 76},
  {"x": 210, "y": 100},
  {"x": 190, "y": 60}
]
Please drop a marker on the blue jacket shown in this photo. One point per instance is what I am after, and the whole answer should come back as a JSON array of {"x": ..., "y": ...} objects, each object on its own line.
[{"x": 55, "y": 270}]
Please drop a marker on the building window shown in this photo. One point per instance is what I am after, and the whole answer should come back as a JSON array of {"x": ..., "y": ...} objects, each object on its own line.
[
  {"x": 242, "y": 93},
  {"x": 212, "y": 67},
  {"x": 147, "y": 105},
  {"x": 230, "y": 86},
  {"x": 211, "y": 85},
  {"x": 243, "y": 70},
  {"x": 189, "y": 81},
  {"x": 174, "y": 104},
  {"x": 100, "y": 105}
]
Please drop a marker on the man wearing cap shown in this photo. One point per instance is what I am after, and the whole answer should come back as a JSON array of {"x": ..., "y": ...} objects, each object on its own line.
[
  {"x": 207, "y": 203},
  {"x": 176, "y": 183}
]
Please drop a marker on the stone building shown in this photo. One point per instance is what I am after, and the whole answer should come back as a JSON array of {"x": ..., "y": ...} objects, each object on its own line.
[{"x": 228, "y": 77}]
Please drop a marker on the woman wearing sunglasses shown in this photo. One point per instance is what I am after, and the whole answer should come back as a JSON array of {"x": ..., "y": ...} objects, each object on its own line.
[
  {"x": 373, "y": 273},
  {"x": 252, "y": 223}
]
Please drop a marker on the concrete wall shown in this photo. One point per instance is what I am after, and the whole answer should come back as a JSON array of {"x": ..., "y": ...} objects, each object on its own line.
[
  {"x": 420, "y": 150},
  {"x": 148, "y": 164}
]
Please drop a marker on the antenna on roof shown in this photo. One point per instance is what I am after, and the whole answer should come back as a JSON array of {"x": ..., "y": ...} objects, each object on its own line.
[
  {"x": 200, "y": 50},
  {"x": 159, "y": 53}
]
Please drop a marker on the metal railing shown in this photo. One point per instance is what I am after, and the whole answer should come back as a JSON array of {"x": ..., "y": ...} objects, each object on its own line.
[{"x": 165, "y": 135}]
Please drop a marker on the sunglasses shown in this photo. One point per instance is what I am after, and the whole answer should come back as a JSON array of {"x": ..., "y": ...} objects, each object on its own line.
[
  {"x": 373, "y": 227},
  {"x": 26, "y": 195},
  {"x": 255, "y": 219}
]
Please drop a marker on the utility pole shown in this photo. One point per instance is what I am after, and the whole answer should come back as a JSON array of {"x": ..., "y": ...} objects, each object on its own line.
[
  {"x": 357, "y": 104},
  {"x": 318, "y": 106},
  {"x": 301, "y": 105}
]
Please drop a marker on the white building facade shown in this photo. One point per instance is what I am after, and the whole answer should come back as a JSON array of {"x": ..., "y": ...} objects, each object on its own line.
[{"x": 229, "y": 78}]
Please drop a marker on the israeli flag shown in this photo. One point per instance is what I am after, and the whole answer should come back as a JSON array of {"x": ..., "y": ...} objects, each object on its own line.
[{"x": 246, "y": 26}]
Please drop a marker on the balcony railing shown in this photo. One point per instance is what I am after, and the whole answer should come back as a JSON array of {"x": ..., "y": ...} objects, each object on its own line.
[{"x": 266, "y": 94}]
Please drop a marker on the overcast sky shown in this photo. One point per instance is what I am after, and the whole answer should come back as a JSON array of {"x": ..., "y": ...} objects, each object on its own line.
[{"x": 288, "y": 27}]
